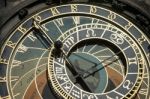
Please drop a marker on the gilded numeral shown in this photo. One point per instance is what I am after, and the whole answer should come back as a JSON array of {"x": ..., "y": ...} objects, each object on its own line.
[
  {"x": 22, "y": 29},
  {"x": 61, "y": 60},
  {"x": 22, "y": 48},
  {"x": 93, "y": 9},
  {"x": 13, "y": 78},
  {"x": 11, "y": 44},
  {"x": 69, "y": 42},
  {"x": 141, "y": 39},
  {"x": 76, "y": 20},
  {"x": 128, "y": 26},
  {"x": 60, "y": 22},
  {"x": 3, "y": 79},
  {"x": 74, "y": 8},
  {"x": 16, "y": 63},
  {"x": 3, "y": 61},
  {"x": 95, "y": 21},
  {"x": 55, "y": 11},
  {"x": 112, "y": 16},
  {"x": 37, "y": 18}
]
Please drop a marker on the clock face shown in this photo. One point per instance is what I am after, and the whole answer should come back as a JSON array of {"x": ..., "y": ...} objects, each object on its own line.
[{"x": 76, "y": 51}]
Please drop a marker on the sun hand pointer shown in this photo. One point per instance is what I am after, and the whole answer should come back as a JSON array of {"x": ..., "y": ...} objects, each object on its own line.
[
  {"x": 100, "y": 68},
  {"x": 92, "y": 67},
  {"x": 41, "y": 34},
  {"x": 79, "y": 79}
]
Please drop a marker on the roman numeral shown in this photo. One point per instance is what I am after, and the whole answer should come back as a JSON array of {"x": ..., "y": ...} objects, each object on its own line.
[
  {"x": 74, "y": 8},
  {"x": 141, "y": 39},
  {"x": 93, "y": 9},
  {"x": 3, "y": 61},
  {"x": 16, "y": 63},
  {"x": 69, "y": 42},
  {"x": 2, "y": 79},
  {"x": 11, "y": 44},
  {"x": 112, "y": 16},
  {"x": 55, "y": 11},
  {"x": 37, "y": 18},
  {"x": 128, "y": 26},
  {"x": 60, "y": 22},
  {"x": 76, "y": 19},
  {"x": 22, "y": 48},
  {"x": 22, "y": 29}
]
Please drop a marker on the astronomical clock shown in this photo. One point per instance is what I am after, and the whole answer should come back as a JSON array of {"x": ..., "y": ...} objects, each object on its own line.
[{"x": 74, "y": 49}]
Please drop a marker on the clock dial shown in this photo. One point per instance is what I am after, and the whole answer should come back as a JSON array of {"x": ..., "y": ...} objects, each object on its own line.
[
  {"x": 121, "y": 50},
  {"x": 76, "y": 51}
]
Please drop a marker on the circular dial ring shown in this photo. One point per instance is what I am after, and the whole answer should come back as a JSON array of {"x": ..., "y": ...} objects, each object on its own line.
[{"x": 141, "y": 41}]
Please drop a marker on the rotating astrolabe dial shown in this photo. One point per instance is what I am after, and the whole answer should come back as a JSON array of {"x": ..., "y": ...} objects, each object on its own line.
[
  {"x": 105, "y": 78},
  {"x": 76, "y": 51}
]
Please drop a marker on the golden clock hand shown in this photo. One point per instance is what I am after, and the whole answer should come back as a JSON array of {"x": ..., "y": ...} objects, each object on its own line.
[
  {"x": 58, "y": 44},
  {"x": 42, "y": 38},
  {"x": 77, "y": 76},
  {"x": 103, "y": 61},
  {"x": 100, "y": 68},
  {"x": 41, "y": 34},
  {"x": 47, "y": 41}
]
